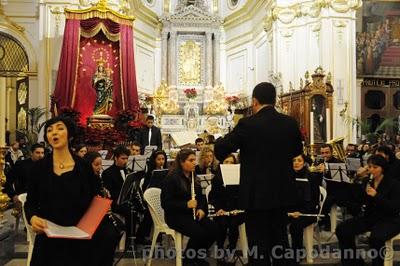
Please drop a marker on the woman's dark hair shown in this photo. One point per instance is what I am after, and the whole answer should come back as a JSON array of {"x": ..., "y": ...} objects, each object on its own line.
[
  {"x": 235, "y": 161},
  {"x": 379, "y": 161},
  {"x": 79, "y": 147},
  {"x": 69, "y": 123},
  {"x": 152, "y": 160},
  {"x": 181, "y": 157},
  {"x": 91, "y": 156}
]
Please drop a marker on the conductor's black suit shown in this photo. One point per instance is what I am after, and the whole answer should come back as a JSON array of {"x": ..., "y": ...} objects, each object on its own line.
[{"x": 268, "y": 141}]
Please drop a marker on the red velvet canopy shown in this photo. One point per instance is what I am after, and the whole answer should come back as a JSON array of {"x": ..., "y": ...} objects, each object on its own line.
[{"x": 92, "y": 36}]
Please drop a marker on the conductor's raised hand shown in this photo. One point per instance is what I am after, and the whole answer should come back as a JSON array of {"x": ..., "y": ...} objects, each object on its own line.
[
  {"x": 38, "y": 224},
  {"x": 200, "y": 214},
  {"x": 191, "y": 204}
]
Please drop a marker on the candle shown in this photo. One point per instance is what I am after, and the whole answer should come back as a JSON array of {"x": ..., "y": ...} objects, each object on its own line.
[
  {"x": 328, "y": 124},
  {"x": 3, "y": 94},
  {"x": 311, "y": 127}
]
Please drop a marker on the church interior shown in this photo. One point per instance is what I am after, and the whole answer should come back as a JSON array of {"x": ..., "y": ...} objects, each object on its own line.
[{"x": 189, "y": 67}]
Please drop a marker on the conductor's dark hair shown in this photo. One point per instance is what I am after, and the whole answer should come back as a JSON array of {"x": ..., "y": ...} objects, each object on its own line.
[
  {"x": 68, "y": 122},
  {"x": 379, "y": 161},
  {"x": 150, "y": 117},
  {"x": 265, "y": 93},
  {"x": 91, "y": 156},
  {"x": 36, "y": 146},
  {"x": 388, "y": 151},
  {"x": 121, "y": 150}
]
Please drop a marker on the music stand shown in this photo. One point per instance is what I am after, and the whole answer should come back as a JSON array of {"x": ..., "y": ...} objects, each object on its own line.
[
  {"x": 338, "y": 172},
  {"x": 205, "y": 181},
  {"x": 157, "y": 178},
  {"x": 139, "y": 163},
  {"x": 126, "y": 196},
  {"x": 148, "y": 150}
]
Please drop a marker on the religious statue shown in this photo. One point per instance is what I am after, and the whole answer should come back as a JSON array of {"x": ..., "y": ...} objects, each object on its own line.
[
  {"x": 189, "y": 59},
  {"x": 103, "y": 84}
]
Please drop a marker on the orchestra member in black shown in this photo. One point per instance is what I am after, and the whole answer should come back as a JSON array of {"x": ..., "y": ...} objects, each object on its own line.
[
  {"x": 157, "y": 161},
  {"x": 107, "y": 237},
  {"x": 307, "y": 202},
  {"x": 225, "y": 199},
  {"x": 150, "y": 135},
  {"x": 178, "y": 205},
  {"x": 268, "y": 141},
  {"x": 113, "y": 179},
  {"x": 208, "y": 164},
  {"x": 60, "y": 190},
  {"x": 393, "y": 170},
  {"x": 380, "y": 197},
  {"x": 199, "y": 142},
  {"x": 17, "y": 177}
]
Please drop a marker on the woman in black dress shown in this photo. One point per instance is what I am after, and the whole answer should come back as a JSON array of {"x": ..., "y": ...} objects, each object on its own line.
[
  {"x": 60, "y": 190},
  {"x": 178, "y": 205}
]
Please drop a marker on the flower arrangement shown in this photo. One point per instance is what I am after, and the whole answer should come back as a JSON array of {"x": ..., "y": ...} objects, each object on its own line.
[
  {"x": 124, "y": 116},
  {"x": 190, "y": 93},
  {"x": 232, "y": 99}
]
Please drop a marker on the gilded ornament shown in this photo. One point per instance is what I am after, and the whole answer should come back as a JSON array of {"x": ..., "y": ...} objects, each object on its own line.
[
  {"x": 21, "y": 118},
  {"x": 22, "y": 93},
  {"x": 189, "y": 63}
]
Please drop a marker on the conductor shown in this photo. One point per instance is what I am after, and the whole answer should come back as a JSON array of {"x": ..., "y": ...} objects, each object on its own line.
[{"x": 268, "y": 141}]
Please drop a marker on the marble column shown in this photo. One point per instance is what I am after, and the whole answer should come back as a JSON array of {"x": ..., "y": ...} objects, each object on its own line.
[
  {"x": 164, "y": 53},
  {"x": 172, "y": 59},
  {"x": 209, "y": 63},
  {"x": 217, "y": 58}
]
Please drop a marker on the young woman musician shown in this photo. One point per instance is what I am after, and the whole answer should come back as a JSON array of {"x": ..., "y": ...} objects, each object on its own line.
[
  {"x": 307, "y": 185},
  {"x": 186, "y": 212},
  {"x": 380, "y": 197},
  {"x": 61, "y": 189},
  {"x": 225, "y": 198},
  {"x": 157, "y": 161},
  {"x": 208, "y": 164},
  {"x": 107, "y": 235}
]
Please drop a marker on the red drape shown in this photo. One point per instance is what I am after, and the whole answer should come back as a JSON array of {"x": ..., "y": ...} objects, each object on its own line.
[
  {"x": 66, "y": 76},
  {"x": 74, "y": 81}
]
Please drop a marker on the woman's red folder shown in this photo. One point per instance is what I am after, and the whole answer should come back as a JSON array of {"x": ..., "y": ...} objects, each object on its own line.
[{"x": 86, "y": 226}]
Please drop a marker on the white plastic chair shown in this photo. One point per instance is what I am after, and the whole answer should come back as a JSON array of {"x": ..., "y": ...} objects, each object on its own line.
[
  {"x": 30, "y": 234},
  {"x": 309, "y": 230},
  {"x": 389, "y": 253},
  {"x": 152, "y": 197},
  {"x": 333, "y": 218}
]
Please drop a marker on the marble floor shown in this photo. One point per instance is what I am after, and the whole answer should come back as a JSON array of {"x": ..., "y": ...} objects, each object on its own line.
[{"x": 13, "y": 250}]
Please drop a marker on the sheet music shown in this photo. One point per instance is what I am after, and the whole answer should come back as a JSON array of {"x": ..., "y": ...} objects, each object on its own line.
[
  {"x": 205, "y": 180},
  {"x": 139, "y": 163},
  {"x": 148, "y": 150},
  {"x": 184, "y": 137},
  {"x": 230, "y": 174},
  {"x": 107, "y": 163},
  {"x": 103, "y": 154},
  {"x": 57, "y": 231},
  {"x": 353, "y": 164}
]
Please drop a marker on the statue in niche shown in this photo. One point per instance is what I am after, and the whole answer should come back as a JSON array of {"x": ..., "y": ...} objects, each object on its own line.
[
  {"x": 319, "y": 110},
  {"x": 189, "y": 63},
  {"x": 103, "y": 84}
]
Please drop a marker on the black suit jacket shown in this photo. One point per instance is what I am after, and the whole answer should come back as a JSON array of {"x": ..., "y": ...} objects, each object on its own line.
[
  {"x": 113, "y": 182},
  {"x": 18, "y": 177},
  {"x": 155, "y": 137},
  {"x": 268, "y": 141}
]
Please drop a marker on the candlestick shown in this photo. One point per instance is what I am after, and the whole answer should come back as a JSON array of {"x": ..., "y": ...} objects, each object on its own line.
[
  {"x": 328, "y": 124},
  {"x": 311, "y": 127}
]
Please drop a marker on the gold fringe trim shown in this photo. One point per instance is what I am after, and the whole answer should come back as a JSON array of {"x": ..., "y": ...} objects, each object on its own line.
[
  {"x": 100, "y": 27},
  {"x": 76, "y": 70},
  {"x": 95, "y": 12}
]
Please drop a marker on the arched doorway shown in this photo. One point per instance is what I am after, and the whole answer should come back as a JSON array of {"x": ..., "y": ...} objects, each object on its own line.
[{"x": 14, "y": 64}]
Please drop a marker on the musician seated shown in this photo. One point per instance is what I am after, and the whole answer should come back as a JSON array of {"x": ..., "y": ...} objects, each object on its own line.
[
  {"x": 157, "y": 161},
  {"x": 135, "y": 148},
  {"x": 225, "y": 199},
  {"x": 186, "y": 209},
  {"x": 307, "y": 202},
  {"x": 208, "y": 164},
  {"x": 380, "y": 198},
  {"x": 394, "y": 164},
  {"x": 336, "y": 194}
]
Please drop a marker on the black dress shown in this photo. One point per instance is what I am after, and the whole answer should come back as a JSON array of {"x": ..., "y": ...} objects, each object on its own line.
[
  {"x": 63, "y": 200},
  {"x": 175, "y": 193}
]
